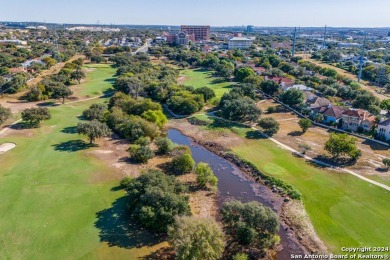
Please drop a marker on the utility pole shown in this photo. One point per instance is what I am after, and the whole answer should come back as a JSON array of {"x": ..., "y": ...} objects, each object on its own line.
[
  {"x": 361, "y": 59},
  {"x": 324, "y": 41},
  {"x": 293, "y": 46}
]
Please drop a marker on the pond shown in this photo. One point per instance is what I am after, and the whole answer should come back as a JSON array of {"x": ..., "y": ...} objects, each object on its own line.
[{"x": 234, "y": 184}]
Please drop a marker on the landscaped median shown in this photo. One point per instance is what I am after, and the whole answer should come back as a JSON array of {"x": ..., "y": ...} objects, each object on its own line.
[{"x": 344, "y": 210}]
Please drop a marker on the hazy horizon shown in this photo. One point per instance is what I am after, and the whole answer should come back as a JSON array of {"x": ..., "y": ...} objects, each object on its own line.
[{"x": 278, "y": 13}]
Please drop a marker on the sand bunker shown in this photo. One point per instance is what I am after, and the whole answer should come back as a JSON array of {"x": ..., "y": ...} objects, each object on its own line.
[{"x": 6, "y": 147}]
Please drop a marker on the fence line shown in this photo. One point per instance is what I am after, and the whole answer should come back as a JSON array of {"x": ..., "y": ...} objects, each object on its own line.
[{"x": 323, "y": 125}]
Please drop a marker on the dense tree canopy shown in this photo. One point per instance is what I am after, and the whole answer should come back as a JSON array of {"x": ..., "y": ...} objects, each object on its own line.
[
  {"x": 155, "y": 199},
  {"x": 196, "y": 238}
]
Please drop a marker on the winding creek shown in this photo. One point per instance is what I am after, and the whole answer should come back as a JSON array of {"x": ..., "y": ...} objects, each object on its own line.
[{"x": 234, "y": 184}]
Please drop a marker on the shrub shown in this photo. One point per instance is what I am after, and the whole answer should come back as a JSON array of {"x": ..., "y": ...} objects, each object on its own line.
[
  {"x": 140, "y": 154},
  {"x": 143, "y": 141},
  {"x": 164, "y": 145},
  {"x": 205, "y": 175},
  {"x": 386, "y": 162},
  {"x": 182, "y": 164}
]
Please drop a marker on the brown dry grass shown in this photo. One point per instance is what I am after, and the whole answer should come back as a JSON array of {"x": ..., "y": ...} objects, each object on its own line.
[{"x": 290, "y": 134}]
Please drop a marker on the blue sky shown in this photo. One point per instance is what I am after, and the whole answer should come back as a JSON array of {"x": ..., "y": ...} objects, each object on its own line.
[{"x": 353, "y": 13}]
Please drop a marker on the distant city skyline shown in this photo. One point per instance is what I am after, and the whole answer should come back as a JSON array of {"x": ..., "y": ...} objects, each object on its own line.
[{"x": 305, "y": 13}]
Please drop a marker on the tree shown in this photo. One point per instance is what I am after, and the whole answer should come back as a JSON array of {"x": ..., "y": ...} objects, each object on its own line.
[
  {"x": 319, "y": 118},
  {"x": 250, "y": 223},
  {"x": 93, "y": 130},
  {"x": 140, "y": 153},
  {"x": 155, "y": 116},
  {"x": 61, "y": 91},
  {"x": 77, "y": 75},
  {"x": 385, "y": 104},
  {"x": 95, "y": 112},
  {"x": 182, "y": 164},
  {"x": 386, "y": 162},
  {"x": 205, "y": 175},
  {"x": 239, "y": 109},
  {"x": 292, "y": 97},
  {"x": 164, "y": 145},
  {"x": 155, "y": 199},
  {"x": 49, "y": 62},
  {"x": 270, "y": 87},
  {"x": 206, "y": 92},
  {"x": 240, "y": 256},
  {"x": 196, "y": 238},
  {"x": 305, "y": 124},
  {"x": 5, "y": 113},
  {"x": 34, "y": 116},
  {"x": 242, "y": 73},
  {"x": 342, "y": 144},
  {"x": 269, "y": 125}
]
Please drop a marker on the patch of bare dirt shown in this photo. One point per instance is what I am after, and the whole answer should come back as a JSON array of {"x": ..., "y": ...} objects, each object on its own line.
[
  {"x": 202, "y": 201},
  {"x": 224, "y": 138}
]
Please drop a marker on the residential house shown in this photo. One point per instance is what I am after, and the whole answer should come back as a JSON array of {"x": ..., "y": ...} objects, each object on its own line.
[
  {"x": 282, "y": 81},
  {"x": 332, "y": 114},
  {"x": 354, "y": 119},
  {"x": 316, "y": 102},
  {"x": 384, "y": 129},
  {"x": 299, "y": 87}
]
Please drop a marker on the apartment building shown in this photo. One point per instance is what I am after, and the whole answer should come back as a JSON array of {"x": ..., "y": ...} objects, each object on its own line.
[
  {"x": 201, "y": 32},
  {"x": 240, "y": 43}
]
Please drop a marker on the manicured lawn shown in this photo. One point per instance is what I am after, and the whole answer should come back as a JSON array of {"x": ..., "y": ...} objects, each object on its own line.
[
  {"x": 344, "y": 210},
  {"x": 198, "y": 78},
  {"x": 58, "y": 201},
  {"x": 99, "y": 81}
]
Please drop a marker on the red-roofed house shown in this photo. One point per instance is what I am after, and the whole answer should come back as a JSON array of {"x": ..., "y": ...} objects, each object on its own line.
[{"x": 356, "y": 118}]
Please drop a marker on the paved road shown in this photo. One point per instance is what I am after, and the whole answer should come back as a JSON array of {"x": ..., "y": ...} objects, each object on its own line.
[{"x": 144, "y": 48}]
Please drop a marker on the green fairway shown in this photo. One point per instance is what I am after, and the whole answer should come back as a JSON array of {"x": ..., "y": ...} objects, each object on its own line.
[
  {"x": 57, "y": 200},
  {"x": 344, "y": 210},
  {"x": 198, "y": 78},
  {"x": 100, "y": 77}
]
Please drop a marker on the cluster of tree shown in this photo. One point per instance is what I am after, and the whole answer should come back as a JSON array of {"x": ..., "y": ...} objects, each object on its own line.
[
  {"x": 249, "y": 225},
  {"x": 155, "y": 199},
  {"x": 57, "y": 86},
  {"x": 16, "y": 84},
  {"x": 239, "y": 104}
]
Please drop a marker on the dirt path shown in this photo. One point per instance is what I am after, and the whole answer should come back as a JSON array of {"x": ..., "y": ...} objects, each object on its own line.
[{"x": 365, "y": 84}]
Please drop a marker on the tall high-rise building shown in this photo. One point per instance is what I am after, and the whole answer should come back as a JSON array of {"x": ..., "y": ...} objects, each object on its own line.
[
  {"x": 201, "y": 32},
  {"x": 249, "y": 28}
]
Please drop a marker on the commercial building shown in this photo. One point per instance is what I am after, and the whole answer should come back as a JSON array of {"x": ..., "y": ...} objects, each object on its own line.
[
  {"x": 201, "y": 32},
  {"x": 240, "y": 43}
]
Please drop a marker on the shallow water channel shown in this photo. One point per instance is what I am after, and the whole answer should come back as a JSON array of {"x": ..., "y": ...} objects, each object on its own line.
[{"x": 234, "y": 184}]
